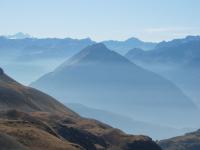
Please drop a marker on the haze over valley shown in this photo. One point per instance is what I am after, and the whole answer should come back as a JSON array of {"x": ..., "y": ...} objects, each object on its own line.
[
  {"x": 89, "y": 73},
  {"x": 99, "y": 75}
]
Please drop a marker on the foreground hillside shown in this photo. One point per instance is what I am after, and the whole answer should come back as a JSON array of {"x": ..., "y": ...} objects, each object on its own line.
[
  {"x": 32, "y": 120},
  {"x": 189, "y": 141},
  {"x": 16, "y": 96}
]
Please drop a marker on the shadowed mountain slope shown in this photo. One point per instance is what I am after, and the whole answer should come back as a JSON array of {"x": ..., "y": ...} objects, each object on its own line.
[
  {"x": 189, "y": 141},
  {"x": 101, "y": 78},
  {"x": 32, "y": 120},
  {"x": 9, "y": 143},
  {"x": 13, "y": 95},
  {"x": 177, "y": 60}
]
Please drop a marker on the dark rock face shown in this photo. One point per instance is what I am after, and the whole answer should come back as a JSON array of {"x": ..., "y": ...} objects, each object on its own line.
[
  {"x": 83, "y": 138},
  {"x": 1, "y": 71},
  {"x": 142, "y": 145},
  {"x": 9, "y": 143}
]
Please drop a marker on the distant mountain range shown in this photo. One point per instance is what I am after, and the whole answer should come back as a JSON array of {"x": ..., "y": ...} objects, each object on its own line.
[
  {"x": 20, "y": 52},
  {"x": 30, "y": 119},
  {"x": 181, "y": 51},
  {"x": 28, "y": 47},
  {"x": 177, "y": 60},
  {"x": 154, "y": 89},
  {"x": 32, "y": 48},
  {"x": 18, "y": 35},
  {"x": 124, "y": 46},
  {"x": 18, "y": 56},
  {"x": 101, "y": 78}
]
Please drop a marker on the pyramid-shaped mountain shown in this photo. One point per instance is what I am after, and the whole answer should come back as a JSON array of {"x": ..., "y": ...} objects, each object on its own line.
[
  {"x": 96, "y": 54},
  {"x": 101, "y": 78}
]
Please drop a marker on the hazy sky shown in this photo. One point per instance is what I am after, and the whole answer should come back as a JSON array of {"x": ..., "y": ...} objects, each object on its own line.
[{"x": 150, "y": 20}]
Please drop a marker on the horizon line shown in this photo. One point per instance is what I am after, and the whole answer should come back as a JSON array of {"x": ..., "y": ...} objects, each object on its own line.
[{"x": 97, "y": 41}]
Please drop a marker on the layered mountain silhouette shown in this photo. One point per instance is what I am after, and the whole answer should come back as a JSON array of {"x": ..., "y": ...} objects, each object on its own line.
[
  {"x": 189, "y": 141},
  {"x": 183, "y": 51},
  {"x": 19, "y": 35},
  {"x": 25, "y": 47},
  {"x": 29, "y": 58},
  {"x": 32, "y": 120},
  {"x": 128, "y": 124},
  {"x": 123, "y": 47},
  {"x": 20, "y": 52},
  {"x": 101, "y": 78},
  {"x": 177, "y": 60},
  {"x": 34, "y": 49}
]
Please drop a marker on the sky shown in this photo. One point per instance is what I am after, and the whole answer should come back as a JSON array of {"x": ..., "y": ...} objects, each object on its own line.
[{"x": 149, "y": 20}]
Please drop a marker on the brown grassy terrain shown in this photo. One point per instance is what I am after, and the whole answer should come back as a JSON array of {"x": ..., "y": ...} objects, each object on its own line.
[
  {"x": 34, "y": 138},
  {"x": 32, "y": 120}
]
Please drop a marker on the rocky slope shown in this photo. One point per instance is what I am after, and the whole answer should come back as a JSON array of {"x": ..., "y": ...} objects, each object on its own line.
[
  {"x": 189, "y": 141},
  {"x": 32, "y": 120},
  {"x": 13, "y": 95}
]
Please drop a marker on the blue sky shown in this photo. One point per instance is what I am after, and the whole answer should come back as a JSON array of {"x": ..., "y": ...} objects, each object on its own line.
[{"x": 149, "y": 20}]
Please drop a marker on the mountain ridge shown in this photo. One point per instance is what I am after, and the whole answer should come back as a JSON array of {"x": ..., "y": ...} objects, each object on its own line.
[
  {"x": 111, "y": 82},
  {"x": 176, "y": 60},
  {"x": 15, "y": 95},
  {"x": 189, "y": 141},
  {"x": 123, "y": 47},
  {"x": 54, "y": 126}
]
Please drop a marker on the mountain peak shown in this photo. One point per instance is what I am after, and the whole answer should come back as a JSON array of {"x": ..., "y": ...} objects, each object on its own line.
[
  {"x": 98, "y": 53},
  {"x": 19, "y": 35},
  {"x": 88, "y": 39},
  {"x": 133, "y": 39},
  {"x": 191, "y": 38},
  {"x": 97, "y": 47},
  {"x": 177, "y": 42},
  {"x": 96, "y": 50}
]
